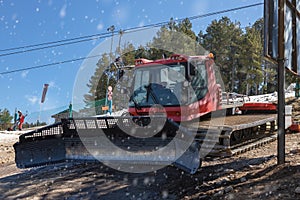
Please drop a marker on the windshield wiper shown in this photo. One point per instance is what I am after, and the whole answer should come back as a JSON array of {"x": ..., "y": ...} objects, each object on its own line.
[{"x": 150, "y": 92}]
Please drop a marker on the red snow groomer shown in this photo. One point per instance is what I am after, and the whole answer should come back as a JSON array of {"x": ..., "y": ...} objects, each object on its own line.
[{"x": 168, "y": 98}]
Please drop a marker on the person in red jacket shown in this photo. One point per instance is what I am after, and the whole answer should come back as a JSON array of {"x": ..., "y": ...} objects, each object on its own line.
[{"x": 21, "y": 120}]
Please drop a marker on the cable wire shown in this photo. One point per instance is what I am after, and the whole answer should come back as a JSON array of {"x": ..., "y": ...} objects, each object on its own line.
[
  {"x": 100, "y": 36},
  {"x": 49, "y": 64},
  {"x": 104, "y": 35}
]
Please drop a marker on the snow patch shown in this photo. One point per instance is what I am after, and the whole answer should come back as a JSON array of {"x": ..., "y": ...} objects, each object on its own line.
[
  {"x": 273, "y": 97},
  {"x": 10, "y": 136}
]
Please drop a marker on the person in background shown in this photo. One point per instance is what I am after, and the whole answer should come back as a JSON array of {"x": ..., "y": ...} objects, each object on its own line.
[
  {"x": 21, "y": 120},
  {"x": 109, "y": 99}
]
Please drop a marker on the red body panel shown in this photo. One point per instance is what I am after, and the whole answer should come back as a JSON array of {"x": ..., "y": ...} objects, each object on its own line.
[{"x": 259, "y": 106}]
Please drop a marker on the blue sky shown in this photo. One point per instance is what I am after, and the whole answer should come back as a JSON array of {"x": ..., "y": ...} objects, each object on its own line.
[{"x": 30, "y": 22}]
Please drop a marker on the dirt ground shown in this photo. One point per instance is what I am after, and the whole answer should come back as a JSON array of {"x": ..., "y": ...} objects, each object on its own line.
[{"x": 250, "y": 175}]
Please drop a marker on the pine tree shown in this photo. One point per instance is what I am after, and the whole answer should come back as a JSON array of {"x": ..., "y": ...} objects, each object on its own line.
[
  {"x": 175, "y": 38},
  {"x": 223, "y": 37},
  {"x": 5, "y": 119},
  {"x": 251, "y": 61}
]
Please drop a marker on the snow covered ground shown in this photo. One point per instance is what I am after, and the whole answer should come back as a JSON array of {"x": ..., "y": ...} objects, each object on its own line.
[
  {"x": 10, "y": 136},
  {"x": 4, "y": 137}
]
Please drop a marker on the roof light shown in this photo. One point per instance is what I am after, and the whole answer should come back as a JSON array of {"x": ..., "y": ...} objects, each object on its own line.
[{"x": 210, "y": 55}]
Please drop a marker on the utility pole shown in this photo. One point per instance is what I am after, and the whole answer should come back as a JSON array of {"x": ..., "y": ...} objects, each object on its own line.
[
  {"x": 281, "y": 80},
  {"x": 111, "y": 29}
]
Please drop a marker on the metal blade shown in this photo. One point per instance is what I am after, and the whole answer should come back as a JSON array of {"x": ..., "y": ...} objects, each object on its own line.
[
  {"x": 190, "y": 161},
  {"x": 39, "y": 152}
]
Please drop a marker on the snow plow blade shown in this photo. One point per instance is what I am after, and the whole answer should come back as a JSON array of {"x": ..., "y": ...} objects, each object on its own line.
[
  {"x": 40, "y": 147},
  {"x": 123, "y": 143}
]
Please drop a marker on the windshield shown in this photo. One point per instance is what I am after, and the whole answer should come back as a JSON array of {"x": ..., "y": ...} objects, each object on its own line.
[
  {"x": 159, "y": 84},
  {"x": 167, "y": 85}
]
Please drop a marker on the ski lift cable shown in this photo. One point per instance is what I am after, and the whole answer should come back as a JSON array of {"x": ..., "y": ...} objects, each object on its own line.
[
  {"x": 51, "y": 44},
  {"x": 130, "y": 30}
]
